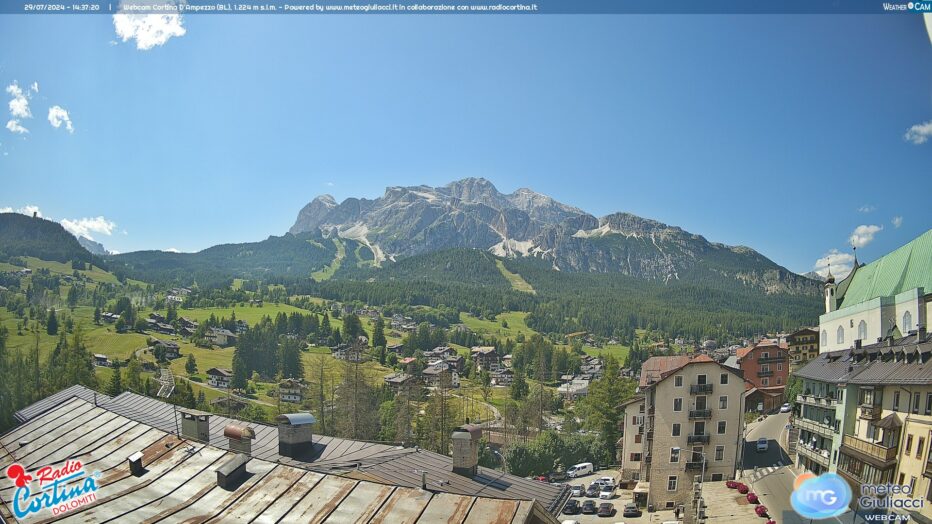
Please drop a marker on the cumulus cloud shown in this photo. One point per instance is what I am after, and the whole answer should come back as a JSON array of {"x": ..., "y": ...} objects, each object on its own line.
[
  {"x": 19, "y": 109},
  {"x": 6, "y": 209},
  {"x": 34, "y": 87},
  {"x": 173, "y": 250},
  {"x": 919, "y": 133},
  {"x": 839, "y": 263},
  {"x": 863, "y": 235},
  {"x": 58, "y": 116},
  {"x": 83, "y": 227},
  {"x": 28, "y": 209},
  {"x": 149, "y": 30},
  {"x": 15, "y": 127},
  {"x": 867, "y": 208},
  {"x": 897, "y": 221}
]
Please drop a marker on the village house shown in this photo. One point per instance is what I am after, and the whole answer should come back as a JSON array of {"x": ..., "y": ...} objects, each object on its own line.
[
  {"x": 171, "y": 350},
  {"x": 241, "y": 327},
  {"x": 109, "y": 317},
  {"x": 440, "y": 375},
  {"x": 221, "y": 337},
  {"x": 574, "y": 390},
  {"x": 291, "y": 390},
  {"x": 502, "y": 377},
  {"x": 486, "y": 358},
  {"x": 219, "y": 377},
  {"x": 395, "y": 348},
  {"x": 399, "y": 381},
  {"x": 101, "y": 360},
  {"x": 765, "y": 367}
]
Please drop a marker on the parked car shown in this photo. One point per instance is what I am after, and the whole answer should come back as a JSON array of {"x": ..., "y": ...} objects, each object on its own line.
[
  {"x": 541, "y": 478},
  {"x": 607, "y": 492},
  {"x": 579, "y": 470},
  {"x": 785, "y": 408},
  {"x": 606, "y": 481},
  {"x": 762, "y": 445},
  {"x": 593, "y": 490},
  {"x": 743, "y": 488},
  {"x": 578, "y": 490},
  {"x": 631, "y": 510},
  {"x": 571, "y": 507},
  {"x": 588, "y": 507},
  {"x": 753, "y": 498},
  {"x": 606, "y": 509},
  {"x": 761, "y": 511},
  {"x": 557, "y": 476}
]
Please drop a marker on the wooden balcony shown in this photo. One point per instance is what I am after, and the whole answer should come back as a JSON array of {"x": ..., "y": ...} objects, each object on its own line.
[
  {"x": 869, "y": 412},
  {"x": 877, "y": 451}
]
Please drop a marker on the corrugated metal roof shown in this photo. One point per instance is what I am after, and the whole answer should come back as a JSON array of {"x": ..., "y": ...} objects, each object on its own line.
[
  {"x": 55, "y": 399},
  {"x": 905, "y": 268},
  {"x": 180, "y": 483}
]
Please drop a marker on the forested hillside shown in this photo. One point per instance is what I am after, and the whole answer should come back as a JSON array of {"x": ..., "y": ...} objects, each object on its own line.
[{"x": 25, "y": 236}]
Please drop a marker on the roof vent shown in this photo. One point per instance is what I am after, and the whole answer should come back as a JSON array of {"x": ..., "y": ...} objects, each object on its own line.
[
  {"x": 466, "y": 449},
  {"x": 295, "y": 435},
  {"x": 232, "y": 472},
  {"x": 135, "y": 464},
  {"x": 195, "y": 425},
  {"x": 240, "y": 438}
]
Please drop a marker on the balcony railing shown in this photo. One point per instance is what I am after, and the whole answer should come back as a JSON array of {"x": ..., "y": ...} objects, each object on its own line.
[
  {"x": 877, "y": 451},
  {"x": 694, "y": 465},
  {"x": 698, "y": 439},
  {"x": 816, "y": 427},
  {"x": 698, "y": 389},
  {"x": 869, "y": 412},
  {"x": 819, "y": 455},
  {"x": 814, "y": 400},
  {"x": 768, "y": 373},
  {"x": 767, "y": 360},
  {"x": 700, "y": 414}
]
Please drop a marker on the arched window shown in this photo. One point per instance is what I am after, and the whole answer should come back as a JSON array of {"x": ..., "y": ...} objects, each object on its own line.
[
  {"x": 862, "y": 330},
  {"x": 907, "y": 322},
  {"x": 824, "y": 337},
  {"x": 840, "y": 336}
]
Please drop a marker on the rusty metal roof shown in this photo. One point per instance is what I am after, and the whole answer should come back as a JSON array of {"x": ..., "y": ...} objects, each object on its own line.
[{"x": 180, "y": 484}]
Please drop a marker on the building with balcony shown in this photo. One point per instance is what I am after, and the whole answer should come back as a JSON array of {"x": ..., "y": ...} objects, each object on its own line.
[
  {"x": 888, "y": 297},
  {"x": 629, "y": 449},
  {"x": 692, "y": 415},
  {"x": 803, "y": 346},
  {"x": 766, "y": 368}
]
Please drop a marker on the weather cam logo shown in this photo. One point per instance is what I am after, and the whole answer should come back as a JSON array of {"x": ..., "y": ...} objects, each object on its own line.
[
  {"x": 820, "y": 497},
  {"x": 60, "y": 489}
]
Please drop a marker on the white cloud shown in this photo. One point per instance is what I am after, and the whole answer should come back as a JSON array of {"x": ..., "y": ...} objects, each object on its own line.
[
  {"x": 839, "y": 263},
  {"x": 863, "y": 235},
  {"x": 149, "y": 30},
  {"x": 330, "y": 184},
  {"x": 867, "y": 208},
  {"x": 919, "y": 133},
  {"x": 897, "y": 221},
  {"x": 6, "y": 209},
  {"x": 34, "y": 87},
  {"x": 28, "y": 209},
  {"x": 15, "y": 127},
  {"x": 83, "y": 227},
  {"x": 19, "y": 103},
  {"x": 172, "y": 250},
  {"x": 58, "y": 116}
]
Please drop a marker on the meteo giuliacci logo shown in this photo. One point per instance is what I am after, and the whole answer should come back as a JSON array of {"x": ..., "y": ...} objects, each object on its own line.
[
  {"x": 820, "y": 497},
  {"x": 60, "y": 489}
]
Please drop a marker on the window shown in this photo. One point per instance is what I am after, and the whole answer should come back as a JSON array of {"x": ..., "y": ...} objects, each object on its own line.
[
  {"x": 928, "y": 403},
  {"x": 676, "y": 429},
  {"x": 718, "y": 477},
  {"x": 912, "y": 485},
  {"x": 907, "y": 322},
  {"x": 723, "y": 379},
  {"x": 765, "y": 381},
  {"x": 669, "y": 504},
  {"x": 919, "y": 446},
  {"x": 780, "y": 366},
  {"x": 840, "y": 335},
  {"x": 637, "y": 438},
  {"x": 700, "y": 402},
  {"x": 699, "y": 428},
  {"x": 862, "y": 330},
  {"x": 635, "y": 457},
  {"x": 719, "y": 453},
  {"x": 896, "y": 401},
  {"x": 909, "y": 443},
  {"x": 674, "y": 455},
  {"x": 764, "y": 355},
  {"x": 677, "y": 404},
  {"x": 678, "y": 381},
  {"x": 779, "y": 380},
  {"x": 721, "y": 427},
  {"x": 701, "y": 379},
  {"x": 824, "y": 338},
  {"x": 671, "y": 483},
  {"x": 916, "y": 404},
  {"x": 723, "y": 402},
  {"x": 765, "y": 368}
]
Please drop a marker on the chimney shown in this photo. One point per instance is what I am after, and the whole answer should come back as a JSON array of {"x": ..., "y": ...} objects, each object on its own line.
[
  {"x": 240, "y": 438},
  {"x": 466, "y": 449},
  {"x": 295, "y": 434},
  {"x": 922, "y": 333},
  {"x": 135, "y": 464},
  {"x": 195, "y": 425},
  {"x": 231, "y": 472}
]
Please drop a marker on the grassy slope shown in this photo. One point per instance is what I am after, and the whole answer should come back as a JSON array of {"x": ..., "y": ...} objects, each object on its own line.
[
  {"x": 331, "y": 268},
  {"x": 515, "y": 320},
  {"x": 517, "y": 281}
]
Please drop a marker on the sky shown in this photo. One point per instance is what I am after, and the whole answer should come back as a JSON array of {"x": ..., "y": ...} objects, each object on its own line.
[{"x": 795, "y": 135}]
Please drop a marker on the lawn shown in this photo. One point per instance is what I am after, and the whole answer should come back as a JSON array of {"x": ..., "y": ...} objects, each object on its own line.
[
  {"x": 618, "y": 351},
  {"x": 517, "y": 281},
  {"x": 251, "y": 314},
  {"x": 514, "y": 319},
  {"x": 330, "y": 269}
]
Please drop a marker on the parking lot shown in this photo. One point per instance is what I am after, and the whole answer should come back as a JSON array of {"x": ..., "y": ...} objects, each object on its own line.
[{"x": 622, "y": 497}]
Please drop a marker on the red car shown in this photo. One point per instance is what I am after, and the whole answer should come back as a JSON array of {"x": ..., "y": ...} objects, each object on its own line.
[
  {"x": 761, "y": 511},
  {"x": 731, "y": 484},
  {"x": 752, "y": 498},
  {"x": 542, "y": 478},
  {"x": 742, "y": 488}
]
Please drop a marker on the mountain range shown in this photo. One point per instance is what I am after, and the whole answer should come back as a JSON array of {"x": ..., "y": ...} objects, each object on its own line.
[{"x": 472, "y": 213}]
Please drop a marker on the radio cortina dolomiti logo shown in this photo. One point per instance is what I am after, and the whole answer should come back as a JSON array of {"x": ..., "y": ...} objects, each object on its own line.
[{"x": 57, "y": 489}]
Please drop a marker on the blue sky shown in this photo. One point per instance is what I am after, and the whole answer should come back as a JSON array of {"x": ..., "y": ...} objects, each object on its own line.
[{"x": 783, "y": 133}]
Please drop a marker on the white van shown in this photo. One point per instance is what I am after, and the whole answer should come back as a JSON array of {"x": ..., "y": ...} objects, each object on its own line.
[{"x": 580, "y": 469}]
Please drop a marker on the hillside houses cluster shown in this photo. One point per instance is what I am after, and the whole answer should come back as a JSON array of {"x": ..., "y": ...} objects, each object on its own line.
[{"x": 574, "y": 387}]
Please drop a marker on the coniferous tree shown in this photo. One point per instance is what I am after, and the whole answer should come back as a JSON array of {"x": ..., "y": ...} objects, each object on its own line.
[
  {"x": 190, "y": 366},
  {"x": 378, "y": 334},
  {"x": 51, "y": 323},
  {"x": 115, "y": 386}
]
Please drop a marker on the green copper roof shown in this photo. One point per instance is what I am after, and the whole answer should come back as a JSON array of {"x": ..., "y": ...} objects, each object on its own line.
[{"x": 906, "y": 268}]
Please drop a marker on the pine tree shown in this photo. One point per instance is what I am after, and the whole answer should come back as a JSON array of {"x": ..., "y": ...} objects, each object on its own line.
[
  {"x": 51, "y": 324},
  {"x": 97, "y": 315},
  {"x": 378, "y": 334},
  {"x": 191, "y": 365},
  {"x": 115, "y": 387}
]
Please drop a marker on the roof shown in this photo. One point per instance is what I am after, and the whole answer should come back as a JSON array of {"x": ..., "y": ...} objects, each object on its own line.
[
  {"x": 653, "y": 368},
  {"x": 55, "y": 399},
  {"x": 220, "y": 371},
  {"x": 359, "y": 460},
  {"x": 179, "y": 482},
  {"x": 296, "y": 419},
  {"x": 902, "y": 269},
  {"x": 831, "y": 366},
  {"x": 905, "y": 361}
]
